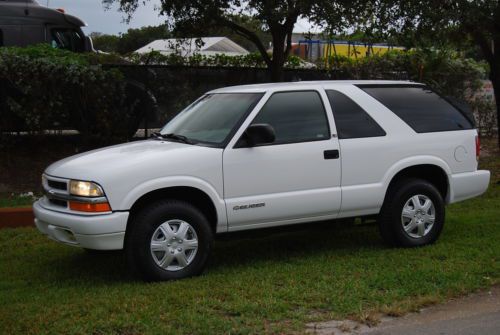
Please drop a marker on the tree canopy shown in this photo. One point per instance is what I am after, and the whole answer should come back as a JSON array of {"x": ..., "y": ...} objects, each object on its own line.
[
  {"x": 130, "y": 41},
  {"x": 244, "y": 18}
]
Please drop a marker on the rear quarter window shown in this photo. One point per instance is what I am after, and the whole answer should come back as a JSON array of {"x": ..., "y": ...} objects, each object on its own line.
[
  {"x": 421, "y": 108},
  {"x": 351, "y": 120}
]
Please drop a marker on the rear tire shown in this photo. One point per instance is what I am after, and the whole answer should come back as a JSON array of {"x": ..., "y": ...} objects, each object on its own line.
[
  {"x": 412, "y": 215},
  {"x": 168, "y": 240}
]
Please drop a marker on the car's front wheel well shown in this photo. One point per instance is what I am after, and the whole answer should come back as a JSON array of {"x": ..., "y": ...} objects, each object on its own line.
[
  {"x": 431, "y": 173},
  {"x": 191, "y": 195}
]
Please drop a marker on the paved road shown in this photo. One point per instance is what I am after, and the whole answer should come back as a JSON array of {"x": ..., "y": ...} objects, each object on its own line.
[{"x": 476, "y": 314}]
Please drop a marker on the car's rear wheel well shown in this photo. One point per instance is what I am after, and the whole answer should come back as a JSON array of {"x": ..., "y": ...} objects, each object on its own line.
[
  {"x": 431, "y": 173},
  {"x": 191, "y": 195}
]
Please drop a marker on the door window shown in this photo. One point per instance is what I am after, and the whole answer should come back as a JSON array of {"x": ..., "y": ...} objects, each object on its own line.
[{"x": 297, "y": 116}]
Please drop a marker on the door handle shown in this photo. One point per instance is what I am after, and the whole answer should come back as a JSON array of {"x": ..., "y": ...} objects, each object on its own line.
[{"x": 331, "y": 154}]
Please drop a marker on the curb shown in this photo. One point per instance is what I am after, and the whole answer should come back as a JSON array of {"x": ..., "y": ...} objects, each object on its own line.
[{"x": 16, "y": 217}]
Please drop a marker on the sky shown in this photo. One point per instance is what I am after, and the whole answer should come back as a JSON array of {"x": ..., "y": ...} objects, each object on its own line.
[{"x": 112, "y": 21}]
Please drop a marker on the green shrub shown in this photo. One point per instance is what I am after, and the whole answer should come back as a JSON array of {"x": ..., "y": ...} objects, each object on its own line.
[
  {"x": 59, "y": 89},
  {"x": 443, "y": 70},
  {"x": 56, "y": 89}
]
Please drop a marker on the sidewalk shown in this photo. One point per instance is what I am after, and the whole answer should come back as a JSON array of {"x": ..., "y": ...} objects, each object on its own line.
[{"x": 476, "y": 314}]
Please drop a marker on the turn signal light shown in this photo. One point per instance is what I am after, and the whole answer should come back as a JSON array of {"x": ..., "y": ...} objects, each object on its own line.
[{"x": 89, "y": 207}]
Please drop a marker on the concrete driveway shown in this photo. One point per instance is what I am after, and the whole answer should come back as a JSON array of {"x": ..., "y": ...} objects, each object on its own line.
[{"x": 475, "y": 314}]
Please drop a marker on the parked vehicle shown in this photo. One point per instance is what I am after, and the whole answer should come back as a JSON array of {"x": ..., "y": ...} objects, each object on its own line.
[
  {"x": 257, "y": 156},
  {"x": 25, "y": 22}
]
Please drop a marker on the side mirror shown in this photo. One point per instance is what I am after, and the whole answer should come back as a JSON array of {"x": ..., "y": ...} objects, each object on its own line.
[
  {"x": 257, "y": 134},
  {"x": 89, "y": 45}
]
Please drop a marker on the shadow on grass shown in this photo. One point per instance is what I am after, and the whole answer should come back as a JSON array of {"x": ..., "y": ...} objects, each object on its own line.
[
  {"x": 292, "y": 242},
  {"x": 232, "y": 250}
]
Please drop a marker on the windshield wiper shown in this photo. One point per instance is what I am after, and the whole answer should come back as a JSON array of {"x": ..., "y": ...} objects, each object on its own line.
[{"x": 175, "y": 137}]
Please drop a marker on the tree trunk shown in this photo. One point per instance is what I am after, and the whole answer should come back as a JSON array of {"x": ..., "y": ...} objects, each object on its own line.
[
  {"x": 278, "y": 61},
  {"x": 495, "y": 80},
  {"x": 276, "y": 72}
]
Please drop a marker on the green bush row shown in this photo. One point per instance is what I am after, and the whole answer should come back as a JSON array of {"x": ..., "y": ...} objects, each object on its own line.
[
  {"x": 253, "y": 60},
  {"x": 445, "y": 71},
  {"x": 44, "y": 88}
]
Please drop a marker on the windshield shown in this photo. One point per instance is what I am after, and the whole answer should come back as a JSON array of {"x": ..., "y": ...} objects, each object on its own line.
[{"x": 212, "y": 118}]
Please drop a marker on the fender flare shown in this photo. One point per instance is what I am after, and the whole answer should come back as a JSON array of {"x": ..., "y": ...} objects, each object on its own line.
[
  {"x": 413, "y": 161},
  {"x": 178, "y": 181}
]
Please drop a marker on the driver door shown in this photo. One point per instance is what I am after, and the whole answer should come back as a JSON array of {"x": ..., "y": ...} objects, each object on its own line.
[{"x": 294, "y": 179}]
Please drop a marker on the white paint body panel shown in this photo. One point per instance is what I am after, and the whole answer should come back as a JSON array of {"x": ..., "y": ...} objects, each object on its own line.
[
  {"x": 294, "y": 181},
  {"x": 128, "y": 171}
]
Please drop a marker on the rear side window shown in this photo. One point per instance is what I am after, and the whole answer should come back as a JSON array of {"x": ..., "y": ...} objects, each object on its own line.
[
  {"x": 421, "y": 108},
  {"x": 351, "y": 120},
  {"x": 297, "y": 116}
]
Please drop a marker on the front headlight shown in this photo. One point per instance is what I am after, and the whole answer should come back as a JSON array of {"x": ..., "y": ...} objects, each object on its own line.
[{"x": 85, "y": 189}]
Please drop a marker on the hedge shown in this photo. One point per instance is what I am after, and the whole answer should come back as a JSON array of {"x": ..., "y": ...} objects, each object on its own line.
[{"x": 44, "y": 88}]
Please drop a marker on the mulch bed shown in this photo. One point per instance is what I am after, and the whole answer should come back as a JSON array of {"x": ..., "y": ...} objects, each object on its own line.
[{"x": 16, "y": 217}]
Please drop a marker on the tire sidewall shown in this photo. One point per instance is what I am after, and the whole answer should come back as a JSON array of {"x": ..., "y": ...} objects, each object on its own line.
[
  {"x": 401, "y": 196},
  {"x": 145, "y": 224}
]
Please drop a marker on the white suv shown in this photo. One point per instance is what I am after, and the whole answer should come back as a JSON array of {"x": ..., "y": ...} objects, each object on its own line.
[{"x": 258, "y": 156}]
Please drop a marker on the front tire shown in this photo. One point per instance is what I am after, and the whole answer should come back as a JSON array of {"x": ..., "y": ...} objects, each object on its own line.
[
  {"x": 167, "y": 240},
  {"x": 413, "y": 214}
]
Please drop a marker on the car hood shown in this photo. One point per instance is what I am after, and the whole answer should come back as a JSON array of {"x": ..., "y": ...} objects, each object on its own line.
[{"x": 121, "y": 168}]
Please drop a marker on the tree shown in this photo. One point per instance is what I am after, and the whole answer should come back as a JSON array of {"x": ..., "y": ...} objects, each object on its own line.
[
  {"x": 130, "y": 41},
  {"x": 480, "y": 20},
  {"x": 434, "y": 22},
  {"x": 248, "y": 22},
  {"x": 134, "y": 39},
  {"x": 105, "y": 42},
  {"x": 278, "y": 18}
]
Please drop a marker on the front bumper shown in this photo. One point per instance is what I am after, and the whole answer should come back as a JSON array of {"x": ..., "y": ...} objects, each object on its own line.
[
  {"x": 100, "y": 232},
  {"x": 468, "y": 185}
]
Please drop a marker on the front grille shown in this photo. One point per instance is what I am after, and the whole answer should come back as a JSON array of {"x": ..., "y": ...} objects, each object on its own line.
[
  {"x": 58, "y": 185},
  {"x": 56, "y": 191}
]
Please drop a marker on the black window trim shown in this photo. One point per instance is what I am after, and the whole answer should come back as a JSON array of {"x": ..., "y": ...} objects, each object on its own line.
[
  {"x": 424, "y": 86},
  {"x": 367, "y": 114},
  {"x": 289, "y": 142}
]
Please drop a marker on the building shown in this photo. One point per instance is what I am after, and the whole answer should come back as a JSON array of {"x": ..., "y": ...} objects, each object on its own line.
[
  {"x": 313, "y": 50},
  {"x": 208, "y": 46}
]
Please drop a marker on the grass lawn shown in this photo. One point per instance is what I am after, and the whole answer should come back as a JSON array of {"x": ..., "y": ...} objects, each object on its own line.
[{"x": 260, "y": 282}]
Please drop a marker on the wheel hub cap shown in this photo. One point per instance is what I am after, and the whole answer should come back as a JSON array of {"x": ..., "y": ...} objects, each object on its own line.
[
  {"x": 418, "y": 216},
  {"x": 174, "y": 245}
]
